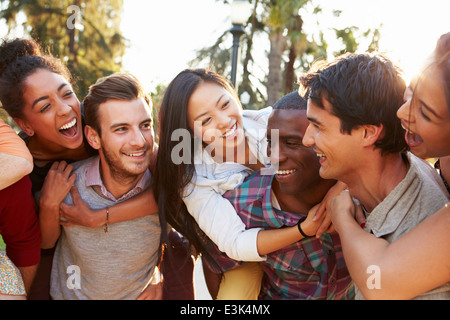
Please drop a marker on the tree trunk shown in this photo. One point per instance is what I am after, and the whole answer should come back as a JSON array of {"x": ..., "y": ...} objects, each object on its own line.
[
  {"x": 277, "y": 44},
  {"x": 290, "y": 74}
]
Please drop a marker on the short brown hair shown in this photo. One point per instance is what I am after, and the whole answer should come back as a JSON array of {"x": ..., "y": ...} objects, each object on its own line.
[{"x": 118, "y": 86}]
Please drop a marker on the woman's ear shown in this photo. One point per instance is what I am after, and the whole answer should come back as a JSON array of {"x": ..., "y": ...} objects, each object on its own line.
[
  {"x": 92, "y": 137},
  {"x": 24, "y": 126}
]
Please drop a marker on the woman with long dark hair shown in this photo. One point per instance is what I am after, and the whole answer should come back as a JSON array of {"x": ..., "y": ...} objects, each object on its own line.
[{"x": 208, "y": 145}]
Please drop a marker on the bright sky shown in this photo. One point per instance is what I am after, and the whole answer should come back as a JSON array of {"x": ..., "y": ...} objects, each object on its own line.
[{"x": 164, "y": 35}]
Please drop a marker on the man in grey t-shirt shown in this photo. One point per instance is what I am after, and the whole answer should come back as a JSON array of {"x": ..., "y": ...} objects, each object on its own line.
[
  {"x": 116, "y": 261},
  {"x": 352, "y": 106}
]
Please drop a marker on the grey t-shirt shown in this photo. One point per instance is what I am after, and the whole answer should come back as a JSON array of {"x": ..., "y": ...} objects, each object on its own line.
[
  {"x": 91, "y": 264},
  {"x": 419, "y": 195}
]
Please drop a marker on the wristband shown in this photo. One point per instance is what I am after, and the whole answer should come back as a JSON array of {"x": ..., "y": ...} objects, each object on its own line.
[
  {"x": 107, "y": 220},
  {"x": 300, "y": 228}
]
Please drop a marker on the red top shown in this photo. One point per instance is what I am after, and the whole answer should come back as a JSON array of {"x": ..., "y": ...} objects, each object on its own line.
[{"x": 19, "y": 224}]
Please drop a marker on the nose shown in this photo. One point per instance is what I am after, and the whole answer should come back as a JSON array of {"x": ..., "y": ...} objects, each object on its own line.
[
  {"x": 223, "y": 121},
  {"x": 277, "y": 154},
  {"x": 137, "y": 138},
  {"x": 308, "y": 138},
  {"x": 63, "y": 108},
  {"x": 404, "y": 112},
  {"x": 276, "y": 151}
]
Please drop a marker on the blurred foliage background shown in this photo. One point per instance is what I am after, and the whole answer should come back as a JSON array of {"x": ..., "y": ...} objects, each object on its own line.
[{"x": 87, "y": 36}]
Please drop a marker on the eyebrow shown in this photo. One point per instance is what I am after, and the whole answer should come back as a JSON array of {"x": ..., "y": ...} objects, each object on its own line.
[
  {"x": 46, "y": 97},
  {"x": 204, "y": 113},
  {"x": 313, "y": 120},
  {"x": 124, "y": 124}
]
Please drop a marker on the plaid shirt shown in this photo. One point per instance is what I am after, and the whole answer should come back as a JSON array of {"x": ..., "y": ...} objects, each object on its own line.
[{"x": 312, "y": 268}]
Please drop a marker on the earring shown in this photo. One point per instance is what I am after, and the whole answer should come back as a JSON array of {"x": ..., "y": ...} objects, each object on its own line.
[{"x": 29, "y": 132}]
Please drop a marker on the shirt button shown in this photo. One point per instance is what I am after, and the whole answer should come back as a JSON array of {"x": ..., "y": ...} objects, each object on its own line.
[{"x": 330, "y": 252}]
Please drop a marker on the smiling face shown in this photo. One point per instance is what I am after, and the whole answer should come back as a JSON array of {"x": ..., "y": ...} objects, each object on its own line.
[
  {"x": 52, "y": 112},
  {"x": 298, "y": 166},
  {"x": 336, "y": 149},
  {"x": 425, "y": 116},
  {"x": 126, "y": 143},
  {"x": 216, "y": 116}
]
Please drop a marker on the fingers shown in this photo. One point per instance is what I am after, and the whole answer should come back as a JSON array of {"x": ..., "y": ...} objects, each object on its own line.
[
  {"x": 320, "y": 211},
  {"x": 75, "y": 193},
  {"x": 324, "y": 226},
  {"x": 360, "y": 218}
]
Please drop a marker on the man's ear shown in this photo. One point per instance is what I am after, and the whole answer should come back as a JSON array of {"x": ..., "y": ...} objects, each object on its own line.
[
  {"x": 24, "y": 126},
  {"x": 92, "y": 137},
  {"x": 371, "y": 134}
]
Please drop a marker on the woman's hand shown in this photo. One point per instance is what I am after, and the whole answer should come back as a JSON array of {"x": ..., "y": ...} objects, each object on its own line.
[
  {"x": 57, "y": 185},
  {"x": 342, "y": 207},
  {"x": 80, "y": 213},
  {"x": 312, "y": 223},
  {"x": 322, "y": 212}
]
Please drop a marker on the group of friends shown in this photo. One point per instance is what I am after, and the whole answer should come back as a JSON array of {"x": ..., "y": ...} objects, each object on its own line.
[{"x": 337, "y": 191}]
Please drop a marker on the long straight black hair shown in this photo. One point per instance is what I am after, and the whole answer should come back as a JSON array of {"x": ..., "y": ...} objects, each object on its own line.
[{"x": 172, "y": 178}]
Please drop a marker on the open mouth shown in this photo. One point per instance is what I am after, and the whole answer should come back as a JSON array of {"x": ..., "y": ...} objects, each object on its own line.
[
  {"x": 230, "y": 132},
  {"x": 69, "y": 129},
  {"x": 321, "y": 157},
  {"x": 411, "y": 138}
]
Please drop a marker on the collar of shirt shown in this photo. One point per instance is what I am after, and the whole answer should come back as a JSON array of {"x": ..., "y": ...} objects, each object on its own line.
[
  {"x": 386, "y": 217},
  {"x": 93, "y": 178},
  {"x": 254, "y": 204}
]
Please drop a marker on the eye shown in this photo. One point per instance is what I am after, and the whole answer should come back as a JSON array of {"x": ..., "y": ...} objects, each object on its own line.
[
  {"x": 120, "y": 129},
  {"x": 68, "y": 94},
  {"x": 206, "y": 121},
  {"x": 226, "y": 104},
  {"x": 423, "y": 114},
  {"x": 293, "y": 143},
  {"x": 45, "y": 108}
]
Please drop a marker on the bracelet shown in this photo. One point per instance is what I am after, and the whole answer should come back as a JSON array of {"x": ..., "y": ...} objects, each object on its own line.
[
  {"x": 300, "y": 228},
  {"x": 107, "y": 220}
]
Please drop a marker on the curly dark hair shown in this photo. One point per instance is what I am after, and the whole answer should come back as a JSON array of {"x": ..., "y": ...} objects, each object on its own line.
[{"x": 20, "y": 58}]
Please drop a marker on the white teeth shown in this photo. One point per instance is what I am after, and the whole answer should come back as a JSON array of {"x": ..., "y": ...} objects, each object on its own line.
[
  {"x": 135, "y": 154},
  {"x": 286, "y": 171},
  {"x": 230, "y": 132},
  {"x": 320, "y": 155},
  {"x": 69, "y": 125}
]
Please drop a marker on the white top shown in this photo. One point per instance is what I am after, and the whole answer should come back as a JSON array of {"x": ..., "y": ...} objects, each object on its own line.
[{"x": 203, "y": 197}]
